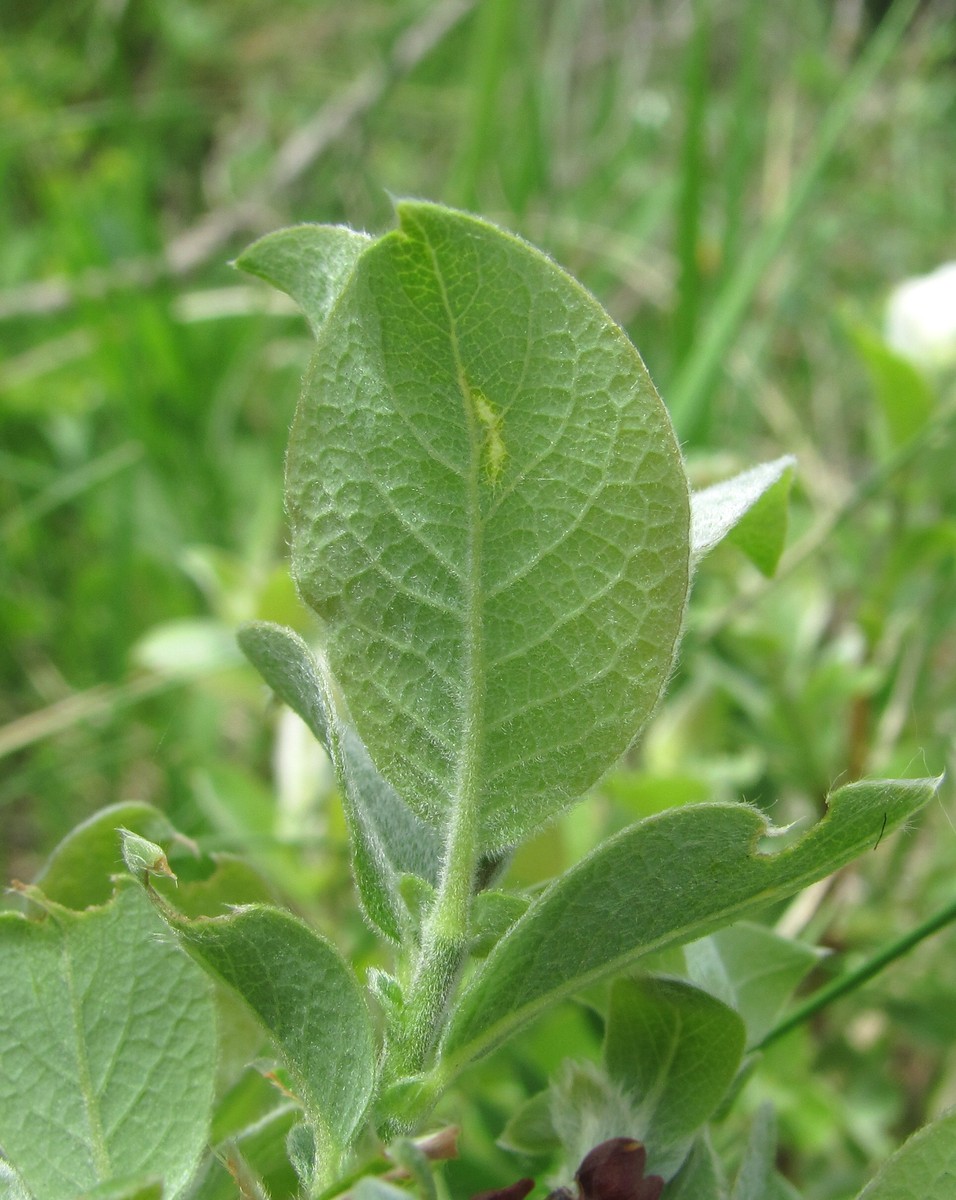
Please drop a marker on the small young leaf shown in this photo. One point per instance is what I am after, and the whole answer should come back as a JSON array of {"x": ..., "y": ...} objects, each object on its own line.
[
  {"x": 413, "y": 1162},
  {"x": 493, "y": 915},
  {"x": 924, "y": 1168},
  {"x": 675, "y": 1049},
  {"x": 310, "y": 263},
  {"x": 755, "y": 1177},
  {"x": 700, "y": 1178},
  {"x": 530, "y": 1130},
  {"x": 490, "y": 515},
  {"x": 307, "y": 999},
  {"x": 143, "y": 858},
  {"x": 903, "y": 391},
  {"x": 750, "y": 509},
  {"x": 388, "y": 839},
  {"x": 587, "y": 1108},
  {"x": 77, "y": 873},
  {"x": 752, "y": 969},
  {"x": 665, "y": 881},
  {"x": 300, "y": 1145},
  {"x": 107, "y": 1042}
]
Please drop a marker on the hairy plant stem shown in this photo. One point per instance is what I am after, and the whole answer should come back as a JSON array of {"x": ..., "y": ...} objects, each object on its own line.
[
  {"x": 444, "y": 944},
  {"x": 445, "y": 938}
]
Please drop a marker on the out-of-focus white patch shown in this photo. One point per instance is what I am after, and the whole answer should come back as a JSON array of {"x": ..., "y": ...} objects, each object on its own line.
[
  {"x": 304, "y": 777},
  {"x": 921, "y": 318}
]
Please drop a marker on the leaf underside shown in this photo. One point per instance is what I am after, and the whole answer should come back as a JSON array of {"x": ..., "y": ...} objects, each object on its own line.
[
  {"x": 491, "y": 517},
  {"x": 751, "y": 509}
]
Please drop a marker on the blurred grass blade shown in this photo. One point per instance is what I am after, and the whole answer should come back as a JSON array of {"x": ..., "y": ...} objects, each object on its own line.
[
  {"x": 691, "y": 390},
  {"x": 70, "y": 486},
  {"x": 692, "y": 172}
]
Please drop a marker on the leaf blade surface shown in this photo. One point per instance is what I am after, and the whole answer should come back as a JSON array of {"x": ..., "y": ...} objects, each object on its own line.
[
  {"x": 676, "y": 1049},
  {"x": 304, "y": 994},
  {"x": 924, "y": 1168},
  {"x": 667, "y": 880},
  {"x": 107, "y": 1041}
]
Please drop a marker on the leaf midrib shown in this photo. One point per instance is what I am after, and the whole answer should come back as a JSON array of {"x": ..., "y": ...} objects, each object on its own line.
[
  {"x": 462, "y": 833},
  {"x": 98, "y": 1146}
]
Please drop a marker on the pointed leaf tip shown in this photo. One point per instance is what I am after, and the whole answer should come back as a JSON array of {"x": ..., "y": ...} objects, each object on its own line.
[
  {"x": 310, "y": 263},
  {"x": 751, "y": 509}
]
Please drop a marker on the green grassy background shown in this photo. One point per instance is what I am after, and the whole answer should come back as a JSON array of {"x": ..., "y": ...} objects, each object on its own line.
[{"x": 740, "y": 183}]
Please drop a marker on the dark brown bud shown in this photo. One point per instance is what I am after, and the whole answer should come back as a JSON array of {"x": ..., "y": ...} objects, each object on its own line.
[
  {"x": 614, "y": 1170},
  {"x": 514, "y": 1191}
]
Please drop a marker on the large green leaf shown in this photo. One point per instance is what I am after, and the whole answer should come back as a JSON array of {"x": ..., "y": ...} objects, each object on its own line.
[
  {"x": 388, "y": 839},
  {"x": 490, "y": 514},
  {"x": 924, "y": 1168},
  {"x": 107, "y": 1045},
  {"x": 665, "y": 881},
  {"x": 306, "y": 997}
]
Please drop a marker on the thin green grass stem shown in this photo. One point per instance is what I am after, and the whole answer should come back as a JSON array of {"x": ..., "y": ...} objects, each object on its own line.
[
  {"x": 491, "y": 41},
  {"x": 852, "y": 980}
]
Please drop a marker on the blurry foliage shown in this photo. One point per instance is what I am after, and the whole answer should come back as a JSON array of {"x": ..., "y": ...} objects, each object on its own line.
[{"x": 145, "y": 395}]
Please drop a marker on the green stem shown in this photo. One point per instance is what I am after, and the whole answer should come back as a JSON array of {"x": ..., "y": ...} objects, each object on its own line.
[
  {"x": 854, "y": 979},
  {"x": 441, "y": 957}
]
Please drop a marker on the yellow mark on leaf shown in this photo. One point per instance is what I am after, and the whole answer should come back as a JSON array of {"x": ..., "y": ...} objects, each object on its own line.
[{"x": 493, "y": 452}]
